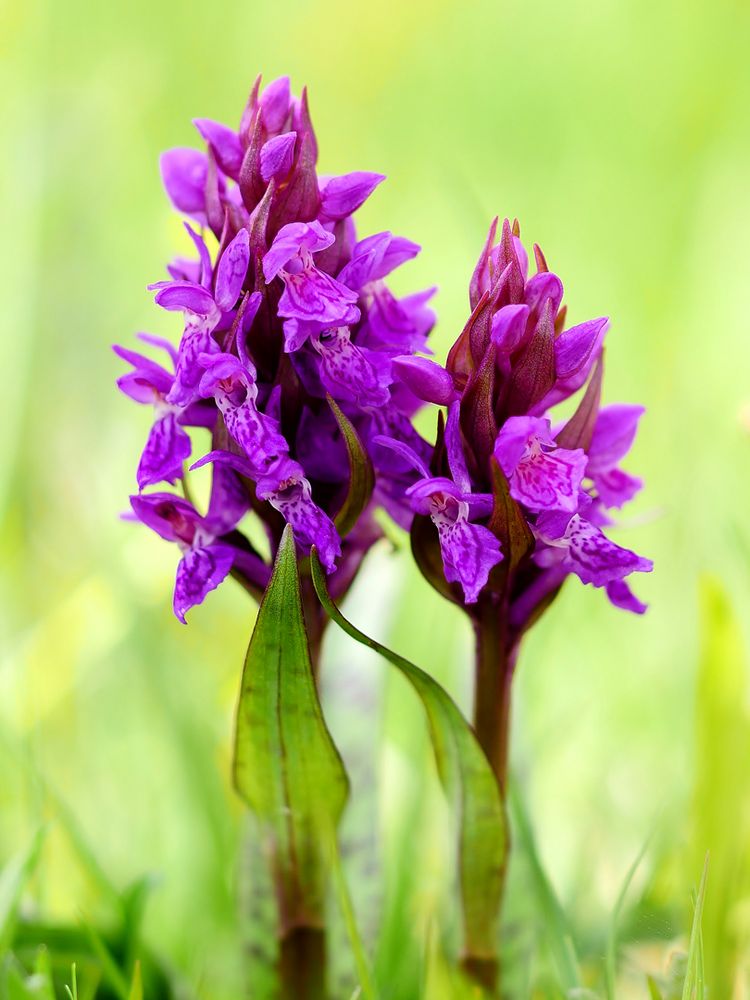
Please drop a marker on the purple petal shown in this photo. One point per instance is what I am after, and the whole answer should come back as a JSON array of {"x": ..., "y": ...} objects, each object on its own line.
[
  {"x": 455, "y": 449},
  {"x": 596, "y": 559},
  {"x": 375, "y": 257},
  {"x": 514, "y": 438},
  {"x": 274, "y": 103},
  {"x": 205, "y": 258},
  {"x": 399, "y": 251},
  {"x": 426, "y": 379},
  {"x": 623, "y": 597},
  {"x": 549, "y": 481},
  {"x": 404, "y": 451},
  {"x": 161, "y": 342},
  {"x": 292, "y": 497},
  {"x": 225, "y": 143},
  {"x": 227, "y": 459},
  {"x": 615, "y": 487},
  {"x": 179, "y": 296},
  {"x": 576, "y": 349},
  {"x": 219, "y": 368},
  {"x": 296, "y": 333},
  {"x": 401, "y": 325},
  {"x": 200, "y": 571},
  {"x": 232, "y": 270},
  {"x": 421, "y": 494},
  {"x": 480, "y": 279},
  {"x": 229, "y": 500},
  {"x": 277, "y": 155},
  {"x": 314, "y": 296},
  {"x": 349, "y": 372},
  {"x": 541, "y": 476},
  {"x": 167, "y": 447},
  {"x": 184, "y": 174},
  {"x": 469, "y": 550},
  {"x": 341, "y": 196},
  {"x": 290, "y": 241},
  {"x": 194, "y": 344},
  {"x": 366, "y": 261},
  {"x": 170, "y": 516},
  {"x": 521, "y": 256},
  {"x": 509, "y": 328},
  {"x": 614, "y": 433},
  {"x": 542, "y": 287},
  {"x": 257, "y": 434},
  {"x": 147, "y": 382},
  {"x": 320, "y": 447}
]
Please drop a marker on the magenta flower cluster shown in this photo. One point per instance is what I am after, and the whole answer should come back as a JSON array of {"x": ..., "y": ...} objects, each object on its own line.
[
  {"x": 513, "y": 363},
  {"x": 289, "y": 309}
]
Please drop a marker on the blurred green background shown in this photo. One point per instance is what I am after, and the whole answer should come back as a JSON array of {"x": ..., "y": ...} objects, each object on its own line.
[{"x": 618, "y": 133}]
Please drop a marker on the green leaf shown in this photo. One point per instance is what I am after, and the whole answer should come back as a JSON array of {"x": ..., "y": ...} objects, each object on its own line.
[
  {"x": 111, "y": 972},
  {"x": 366, "y": 983},
  {"x": 653, "y": 990},
  {"x": 721, "y": 795},
  {"x": 361, "y": 474},
  {"x": 136, "y": 985},
  {"x": 694, "y": 988},
  {"x": 13, "y": 880},
  {"x": 467, "y": 779},
  {"x": 72, "y": 990},
  {"x": 286, "y": 766},
  {"x": 556, "y": 930},
  {"x": 16, "y": 984},
  {"x": 611, "y": 961}
]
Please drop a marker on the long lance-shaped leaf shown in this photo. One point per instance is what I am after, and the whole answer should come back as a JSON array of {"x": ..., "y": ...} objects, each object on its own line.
[
  {"x": 286, "y": 766},
  {"x": 467, "y": 779}
]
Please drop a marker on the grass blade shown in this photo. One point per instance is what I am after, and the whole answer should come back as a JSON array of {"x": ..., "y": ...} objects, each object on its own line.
[
  {"x": 556, "y": 929},
  {"x": 13, "y": 880},
  {"x": 366, "y": 982},
  {"x": 611, "y": 967},
  {"x": 694, "y": 988}
]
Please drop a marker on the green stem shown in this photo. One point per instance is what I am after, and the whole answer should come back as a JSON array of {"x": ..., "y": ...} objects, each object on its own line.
[
  {"x": 494, "y": 663},
  {"x": 495, "y": 660},
  {"x": 302, "y": 964}
]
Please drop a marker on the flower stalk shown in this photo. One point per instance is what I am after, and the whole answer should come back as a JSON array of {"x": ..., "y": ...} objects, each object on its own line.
[{"x": 495, "y": 660}]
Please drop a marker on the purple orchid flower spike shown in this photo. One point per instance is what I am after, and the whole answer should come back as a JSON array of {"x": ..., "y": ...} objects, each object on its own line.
[
  {"x": 513, "y": 360},
  {"x": 286, "y": 313},
  {"x": 507, "y": 505}
]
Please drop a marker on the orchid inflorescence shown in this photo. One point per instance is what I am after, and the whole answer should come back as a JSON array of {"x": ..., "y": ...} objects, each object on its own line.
[
  {"x": 302, "y": 372},
  {"x": 289, "y": 312},
  {"x": 292, "y": 311},
  {"x": 504, "y": 484}
]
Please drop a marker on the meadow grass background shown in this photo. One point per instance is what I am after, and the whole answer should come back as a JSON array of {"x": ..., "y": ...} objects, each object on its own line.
[{"x": 618, "y": 133}]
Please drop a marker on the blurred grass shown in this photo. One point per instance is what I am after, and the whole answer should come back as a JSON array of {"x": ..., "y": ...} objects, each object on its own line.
[{"x": 618, "y": 134}]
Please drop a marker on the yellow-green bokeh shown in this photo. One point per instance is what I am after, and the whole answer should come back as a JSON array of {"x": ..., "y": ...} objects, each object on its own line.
[{"x": 617, "y": 132}]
